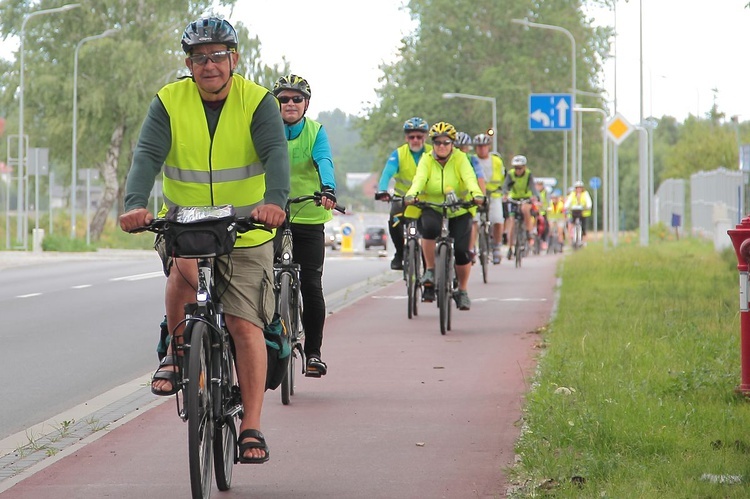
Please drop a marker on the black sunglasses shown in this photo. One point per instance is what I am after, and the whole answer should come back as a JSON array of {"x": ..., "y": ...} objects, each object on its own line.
[
  {"x": 441, "y": 142},
  {"x": 215, "y": 57},
  {"x": 296, "y": 99}
]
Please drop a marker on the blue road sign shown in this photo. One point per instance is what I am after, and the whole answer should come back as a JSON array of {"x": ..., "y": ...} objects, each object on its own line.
[
  {"x": 550, "y": 112},
  {"x": 595, "y": 183}
]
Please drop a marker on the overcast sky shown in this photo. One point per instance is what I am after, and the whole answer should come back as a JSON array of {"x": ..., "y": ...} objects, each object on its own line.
[{"x": 689, "y": 48}]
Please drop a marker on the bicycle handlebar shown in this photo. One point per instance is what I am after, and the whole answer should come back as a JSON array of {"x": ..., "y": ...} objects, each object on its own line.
[
  {"x": 317, "y": 197},
  {"x": 518, "y": 201},
  {"x": 454, "y": 204},
  {"x": 159, "y": 226}
]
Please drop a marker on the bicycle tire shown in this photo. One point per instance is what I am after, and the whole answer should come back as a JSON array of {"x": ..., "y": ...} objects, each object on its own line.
[
  {"x": 287, "y": 320},
  {"x": 199, "y": 411},
  {"x": 411, "y": 266},
  {"x": 452, "y": 289},
  {"x": 519, "y": 246},
  {"x": 225, "y": 428},
  {"x": 578, "y": 235},
  {"x": 418, "y": 273},
  {"x": 443, "y": 287},
  {"x": 484, "y": 249},
  {"x": 409, "y": 278}
]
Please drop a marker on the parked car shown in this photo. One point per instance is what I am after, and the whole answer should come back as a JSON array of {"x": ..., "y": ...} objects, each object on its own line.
[
  {"x": 333, "y": 237},
  {"x": 375, "y": 236}
]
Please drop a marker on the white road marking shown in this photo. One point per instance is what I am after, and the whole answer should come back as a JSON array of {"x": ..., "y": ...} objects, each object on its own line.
[
  {"x": 30, "y": 295},
  {"x": 82, "y": 286},
  {"x": 138, "y": 277}
]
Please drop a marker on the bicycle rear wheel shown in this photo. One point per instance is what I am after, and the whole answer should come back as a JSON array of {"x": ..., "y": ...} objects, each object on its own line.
[
  {"x": 225, "y": 431},
  {"x": 286, "y": 311},
  {"x": 443, "y": 286},
  {"x": 200, "y": 419}
]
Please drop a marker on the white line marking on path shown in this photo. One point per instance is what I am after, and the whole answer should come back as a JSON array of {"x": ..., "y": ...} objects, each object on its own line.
[{"x": 138, "y": 277}]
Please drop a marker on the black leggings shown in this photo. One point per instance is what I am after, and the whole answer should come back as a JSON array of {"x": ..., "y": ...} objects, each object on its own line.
[
  {"x": 309, "y": 253},
  {"x": 431, "y": 222}
]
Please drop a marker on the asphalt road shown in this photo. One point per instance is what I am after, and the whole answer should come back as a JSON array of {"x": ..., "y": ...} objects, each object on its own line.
[
  {"x": 76, "y": 328},
  {"x": 403, "y": 413}
]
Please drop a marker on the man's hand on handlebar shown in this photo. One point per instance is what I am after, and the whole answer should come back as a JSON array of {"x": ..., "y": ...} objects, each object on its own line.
[
  {"x": 409, "y": 200},
  {"x": 135, "y": 219},
  {"x": 382, "y": 196},
  {"x": 480, "y": 200},
  {"x": 270, "y": 215}
]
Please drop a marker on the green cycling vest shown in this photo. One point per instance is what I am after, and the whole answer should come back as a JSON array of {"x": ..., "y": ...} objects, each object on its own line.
[
  {"x": 407, "y": 168},
  {"x": 520, "y": 188},
  {"x": 495, "y": 184},
  {"x": 305, "y": 178},
  {"x": 204, "y": 171}
]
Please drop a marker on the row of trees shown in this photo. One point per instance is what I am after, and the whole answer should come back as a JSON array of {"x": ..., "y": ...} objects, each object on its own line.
[
  {"x": 465, "y": 46},
  {"x": 118, "y": 77}
]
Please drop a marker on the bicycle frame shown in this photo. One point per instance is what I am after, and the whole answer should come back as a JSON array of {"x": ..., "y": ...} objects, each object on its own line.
[
  {"x": 445, "y": 281},
  {"x": 206, "y": 374},
  {"x": 519, "y": 228},
  {"x": 288, "y": 291}
]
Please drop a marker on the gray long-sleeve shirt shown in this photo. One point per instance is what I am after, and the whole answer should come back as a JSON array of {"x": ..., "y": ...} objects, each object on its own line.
[{"x": 266, "y": 130}]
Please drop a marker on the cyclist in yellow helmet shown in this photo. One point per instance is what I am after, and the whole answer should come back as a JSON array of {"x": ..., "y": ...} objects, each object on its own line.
[{"x": 442, "y": 174}]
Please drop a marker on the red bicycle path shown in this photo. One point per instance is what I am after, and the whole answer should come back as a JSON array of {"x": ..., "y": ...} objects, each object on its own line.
[{"x": 404, "y": 411}]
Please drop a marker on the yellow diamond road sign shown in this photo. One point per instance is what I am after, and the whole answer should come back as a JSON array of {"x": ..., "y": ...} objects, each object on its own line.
[{"x": 618, "y": 128}]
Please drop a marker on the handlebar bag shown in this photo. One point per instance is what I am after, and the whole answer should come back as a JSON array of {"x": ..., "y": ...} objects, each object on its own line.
[{"x": 200, "y": 231}]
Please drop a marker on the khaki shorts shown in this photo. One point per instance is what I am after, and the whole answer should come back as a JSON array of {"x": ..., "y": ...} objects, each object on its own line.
[{"x": 245, "y": 283}]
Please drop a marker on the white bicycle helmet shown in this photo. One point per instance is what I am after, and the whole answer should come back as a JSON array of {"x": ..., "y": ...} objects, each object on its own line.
[{"x": 519, "y": 160}]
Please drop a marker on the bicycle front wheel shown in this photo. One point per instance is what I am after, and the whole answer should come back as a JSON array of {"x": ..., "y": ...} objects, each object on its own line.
[
  {"x": 519, "y": 248},
  {"x": 412, "y": 264},
  {"x": 286, "y": 311},
  {"x": 484, "y": 250},
  {"x": 443, "y": 286},
  {"x": 198, "y": 401},
  {"x": 225, "y": 430},
  {"x": 578, "y": 236}
]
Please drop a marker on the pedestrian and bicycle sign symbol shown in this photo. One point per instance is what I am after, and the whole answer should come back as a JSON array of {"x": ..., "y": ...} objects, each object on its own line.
[{"x": 550, "y": 112}]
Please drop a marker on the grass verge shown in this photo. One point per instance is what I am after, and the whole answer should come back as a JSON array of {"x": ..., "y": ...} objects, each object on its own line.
[{"x": 635, "y": 392}]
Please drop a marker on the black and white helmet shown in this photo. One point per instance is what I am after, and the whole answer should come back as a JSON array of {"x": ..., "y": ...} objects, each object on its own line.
[
  {"x": 482, "y": 139},
  {"x": 462, "y": 139}
]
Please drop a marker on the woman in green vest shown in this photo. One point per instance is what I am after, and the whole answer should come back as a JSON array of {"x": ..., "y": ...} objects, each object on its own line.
[{"x": 311, "y": 168}]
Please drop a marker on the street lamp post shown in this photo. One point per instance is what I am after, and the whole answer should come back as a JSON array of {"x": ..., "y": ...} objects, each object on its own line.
[
  {"x": 605, "y": 193},
  {"x": 21, "y": 202},
  {"x": 529, "y": 24},
  {"x": 74, "y": 159},
  {"x": 451, "y": 95}
]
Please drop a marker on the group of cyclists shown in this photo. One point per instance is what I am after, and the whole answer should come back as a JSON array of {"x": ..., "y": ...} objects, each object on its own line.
[
  {"x": 445, "y": 166},
  {"x": 218, "y": 138}
]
